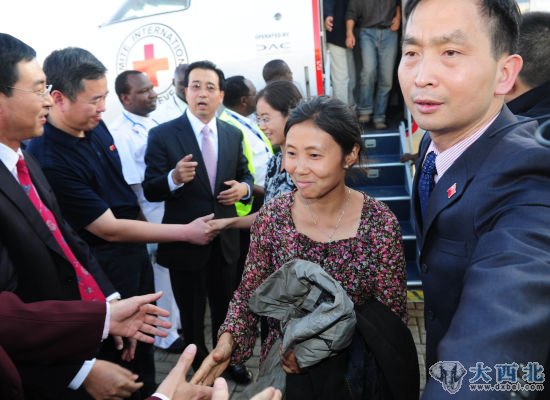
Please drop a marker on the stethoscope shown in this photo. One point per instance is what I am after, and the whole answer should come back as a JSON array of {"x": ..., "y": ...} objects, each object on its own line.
[{"x": 136, "y": 124}]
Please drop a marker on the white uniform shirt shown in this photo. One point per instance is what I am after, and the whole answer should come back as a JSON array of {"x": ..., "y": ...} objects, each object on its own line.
[
  {"x": 171, "y": 109},
  {"x": 130, "y": 133}
]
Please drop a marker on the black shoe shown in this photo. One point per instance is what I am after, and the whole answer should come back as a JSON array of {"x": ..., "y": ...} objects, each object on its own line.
[
  {"x": 240, "y": 374},
  {"x": 177, "y": 346}
]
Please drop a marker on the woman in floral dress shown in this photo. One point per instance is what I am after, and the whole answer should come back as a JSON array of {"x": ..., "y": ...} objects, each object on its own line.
[{"x": 353, "y": 237}]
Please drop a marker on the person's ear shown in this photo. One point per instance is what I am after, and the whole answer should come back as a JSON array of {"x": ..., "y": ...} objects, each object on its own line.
[
  {"x": 508, "y": 70},
  {"x": 351, "y": 158},
  {"x": 59, "y": 98},
  {"x": 125, "y": 99}
]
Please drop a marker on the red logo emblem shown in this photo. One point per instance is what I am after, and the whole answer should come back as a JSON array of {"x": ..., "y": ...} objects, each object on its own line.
[{"x": 451, "y": 191}]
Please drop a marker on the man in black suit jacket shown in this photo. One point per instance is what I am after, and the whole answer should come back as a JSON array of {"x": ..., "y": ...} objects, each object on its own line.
[
  {"x": 177, "y": 174},
  {"x": 529, "y": 95},
  {"x": 483, "y": 221},
  {"x": 32, "y": 263}
]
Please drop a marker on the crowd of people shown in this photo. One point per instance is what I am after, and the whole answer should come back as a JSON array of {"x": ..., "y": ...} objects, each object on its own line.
[{"x": 240, "y": 197}]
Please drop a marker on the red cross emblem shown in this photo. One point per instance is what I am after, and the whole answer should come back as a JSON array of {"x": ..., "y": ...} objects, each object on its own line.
[{"x": 151, "y": 65}]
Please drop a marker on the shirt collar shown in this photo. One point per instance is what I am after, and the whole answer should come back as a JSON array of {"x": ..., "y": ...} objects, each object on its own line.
[
  {"x": 62, "y": 137},
  {"x": 146, "y": 122},
  {"x": 10, "y": 157},
  {"x": 197, "y": 124},
  {"x": 445, "y": 159}
]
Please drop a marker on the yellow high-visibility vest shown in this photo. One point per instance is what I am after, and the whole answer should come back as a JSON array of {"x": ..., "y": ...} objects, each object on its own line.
[{"x": 242, "y": 208}]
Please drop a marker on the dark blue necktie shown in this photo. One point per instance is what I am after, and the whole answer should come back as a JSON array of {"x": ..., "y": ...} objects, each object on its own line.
[{"x": 426, "y": 181}]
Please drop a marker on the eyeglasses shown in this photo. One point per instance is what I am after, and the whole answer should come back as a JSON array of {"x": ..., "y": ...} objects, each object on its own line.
[
  {"x": 195, "y": 87},
  {"x": 264, "y": 120},
  {"x": 42, "y": 92}
]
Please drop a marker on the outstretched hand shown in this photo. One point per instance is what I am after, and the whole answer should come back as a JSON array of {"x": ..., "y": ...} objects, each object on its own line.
[
  {"x": 175, "y": 385},
  {"x": 216, "y": 362},
  {"x": 199, "y": 231},
  {"x": 136, "y": 318}
]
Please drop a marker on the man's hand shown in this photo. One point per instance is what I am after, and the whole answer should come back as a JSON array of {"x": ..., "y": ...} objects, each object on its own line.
[
  {"x": 350, "y": 40},
  {"x": 129, "y": 351},
  {"x": 137, "y": 318},
  {"x": 185, "y": 170},
  {"x": 395, "y": 23},
  {"x": 221, "y": 223},
  {"x": 216, "y": 362},
  {"x": 108, "y": 381},
  {"x": 175, "y": 385},
  {"x": 236, "y": 191},
  {"x": 329, "y": 23},
  {"x": 199, "y": 231}
]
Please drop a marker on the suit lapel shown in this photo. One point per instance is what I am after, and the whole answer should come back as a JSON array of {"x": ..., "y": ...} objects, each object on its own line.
[
  {"x": 188, "y": 142},
  {"x": 13, "y": 192},
  {"x": 223, "y": 156},
  {"x": 453, "y": 183}
]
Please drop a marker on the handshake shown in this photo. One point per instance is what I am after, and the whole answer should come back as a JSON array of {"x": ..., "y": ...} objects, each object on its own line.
[{"x": 139, "y": 320}]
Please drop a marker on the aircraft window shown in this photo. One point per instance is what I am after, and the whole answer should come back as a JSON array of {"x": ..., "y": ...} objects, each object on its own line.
[{"x": 132, "y": 9}]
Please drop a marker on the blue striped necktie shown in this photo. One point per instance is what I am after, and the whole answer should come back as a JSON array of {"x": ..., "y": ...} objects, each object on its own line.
[{"x": 426, "y": 182}]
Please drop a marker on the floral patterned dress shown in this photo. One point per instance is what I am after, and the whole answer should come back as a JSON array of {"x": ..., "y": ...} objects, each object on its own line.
[
  {"x": 371, "y": 264},
  {"x": 276, "y": 181}
]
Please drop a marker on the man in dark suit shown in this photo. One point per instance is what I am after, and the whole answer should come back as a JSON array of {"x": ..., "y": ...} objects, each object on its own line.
[
  {"x": 78, "y": 155},
  {"x": 33, "y": 259},
  {"x": 196, "y": 164},
  {"x": 481, "y": 200},
  {"x": 59, "y": 322},
  {"x": 529, "y": 94}
]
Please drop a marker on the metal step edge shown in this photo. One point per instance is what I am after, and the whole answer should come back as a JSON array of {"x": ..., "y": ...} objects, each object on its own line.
[
  {"x": 380, "y": 165},
  {"x": 393, "y": 198},
  {"x": 374, "y": 135}
]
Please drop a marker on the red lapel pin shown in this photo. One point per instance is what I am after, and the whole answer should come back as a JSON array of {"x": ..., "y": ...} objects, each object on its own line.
[
  {"x": 451, "y": 191},
  {"x": 112, "y": 147}
]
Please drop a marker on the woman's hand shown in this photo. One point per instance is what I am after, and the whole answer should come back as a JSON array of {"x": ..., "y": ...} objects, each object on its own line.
[
  {"x": 216, "y": 362},
  {"x": 221, "y": 223},
  {"x": 289, "y": 362}
]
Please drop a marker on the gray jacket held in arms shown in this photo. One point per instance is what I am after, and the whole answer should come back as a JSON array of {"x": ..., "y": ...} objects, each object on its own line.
[{"x": 316, "y": 314}]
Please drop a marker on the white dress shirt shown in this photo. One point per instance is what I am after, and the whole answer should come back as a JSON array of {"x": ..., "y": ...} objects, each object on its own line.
[{"x": 130, "y": 132}]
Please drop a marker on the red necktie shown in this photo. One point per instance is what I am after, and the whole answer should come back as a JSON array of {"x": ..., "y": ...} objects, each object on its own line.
[{"x": 89, "y": 289}]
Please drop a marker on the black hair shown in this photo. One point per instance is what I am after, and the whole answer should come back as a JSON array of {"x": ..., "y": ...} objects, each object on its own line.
[
  {"x": 121, "y": 82},
  {"x": 12, "y": 52},
  {"x": 275, "y": 70},
  {"x": 332, "y": 116},
  {"x": 181, "y": 69},
  {"x": 235, "y": 89},
  {"x": 67, "y": 68},
  {"x": 205, "y": 65},
  {"x": 534, "y": 48},
  {"x": 503, "y": 17},
  {"x": 280, "y": 95}
]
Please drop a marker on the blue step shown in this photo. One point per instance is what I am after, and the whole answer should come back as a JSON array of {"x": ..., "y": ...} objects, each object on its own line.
[{"x": 385, "y": 178}]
